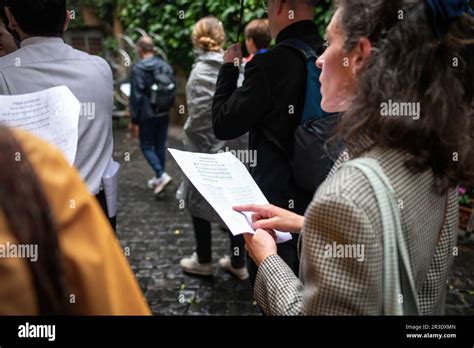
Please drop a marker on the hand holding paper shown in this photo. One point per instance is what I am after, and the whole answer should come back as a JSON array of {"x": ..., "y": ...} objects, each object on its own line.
[
  {"x": 272, "y": 217},
  {"x": 224, "y": 182},
  {"x": 260, "y": 246}
]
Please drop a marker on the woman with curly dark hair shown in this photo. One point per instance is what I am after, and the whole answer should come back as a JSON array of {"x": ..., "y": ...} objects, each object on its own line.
[{"x": 402, "y": 73}]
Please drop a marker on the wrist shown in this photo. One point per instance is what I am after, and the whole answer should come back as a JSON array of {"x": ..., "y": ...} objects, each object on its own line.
[
  {"x": 264, "y": 258},
  {"x": 299, "y": 223}
]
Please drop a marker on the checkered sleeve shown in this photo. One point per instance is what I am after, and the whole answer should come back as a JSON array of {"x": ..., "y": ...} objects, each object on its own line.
[
  {"x": 341, "y": 264},
  {"x": 277, "y": 290},
  {"x": 342, "y": 259}
]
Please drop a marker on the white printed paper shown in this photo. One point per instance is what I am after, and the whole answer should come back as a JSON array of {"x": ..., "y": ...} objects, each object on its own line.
[
  {"x": 52, "y": 115},
  {"x": 110, "y": 182},
  {"x": 224, "y": 182},
  {"x": 126, "y": 88}
]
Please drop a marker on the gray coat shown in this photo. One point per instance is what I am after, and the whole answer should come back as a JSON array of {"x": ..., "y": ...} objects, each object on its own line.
[{"x": 199, "y": 133}]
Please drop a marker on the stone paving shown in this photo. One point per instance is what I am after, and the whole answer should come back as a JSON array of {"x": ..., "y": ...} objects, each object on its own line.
[{"x": 159, "y": 234}]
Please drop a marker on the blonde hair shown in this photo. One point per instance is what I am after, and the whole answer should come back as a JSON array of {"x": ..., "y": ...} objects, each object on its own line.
[{"x": 208, "y": 34}]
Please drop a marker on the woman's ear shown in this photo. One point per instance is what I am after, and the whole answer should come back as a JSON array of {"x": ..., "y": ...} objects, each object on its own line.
[
  {"x": 68, "y": 20},
  {"x": 361, "y": 54},
  {"x": 12, "y": 24},
  {"x": 279, "y": 5}
]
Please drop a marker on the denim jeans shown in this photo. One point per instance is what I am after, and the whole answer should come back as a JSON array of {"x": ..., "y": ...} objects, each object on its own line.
[{"x": 153, "y": 135}]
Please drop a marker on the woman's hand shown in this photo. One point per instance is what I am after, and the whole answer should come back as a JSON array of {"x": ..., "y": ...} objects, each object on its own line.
[
  {"x": 274, "y": 218},
  {"x": 260, "y": 245},
  {"x": 233, "y": 55}
]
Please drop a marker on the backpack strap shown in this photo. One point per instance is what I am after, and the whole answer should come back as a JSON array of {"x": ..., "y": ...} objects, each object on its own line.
[
  {"x": 302, "y": 47},
  {"x": 312, "y": 106}
]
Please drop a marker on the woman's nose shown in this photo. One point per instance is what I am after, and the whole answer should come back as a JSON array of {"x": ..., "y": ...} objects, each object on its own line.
[{"x": 320, "y": 62}]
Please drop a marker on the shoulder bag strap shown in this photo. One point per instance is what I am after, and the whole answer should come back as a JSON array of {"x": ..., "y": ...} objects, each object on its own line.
[{"x": 400, "y": 295}]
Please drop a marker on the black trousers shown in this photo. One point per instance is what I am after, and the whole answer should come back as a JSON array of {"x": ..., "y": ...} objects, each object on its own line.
[
  {"x": 287, "y": 251},
  {"x": 103, "y": 203},
  {"x": 202, "y": 230}
]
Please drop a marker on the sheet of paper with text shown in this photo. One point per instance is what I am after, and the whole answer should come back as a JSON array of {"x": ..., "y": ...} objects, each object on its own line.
[
  {"x": 52, "y": 115},
  {"x": 224, "y": 182}
]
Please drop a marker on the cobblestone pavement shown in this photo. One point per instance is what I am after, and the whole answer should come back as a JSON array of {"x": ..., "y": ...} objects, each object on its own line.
[{"x": 159, "y": 234}]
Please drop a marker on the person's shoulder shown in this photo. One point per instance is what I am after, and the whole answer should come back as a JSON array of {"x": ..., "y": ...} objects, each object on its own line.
[
  {"x": 102, "y": 64},
  {"x": 12, "y": 60},
  {"x": 138, "y": 66},
  {"x": 278, "y": 58},
  {"x": 349, "y": 187},
  {"x": 207, "y": 67},
  {"x": 349, "y": 184},
  {"x": 345, "y": 181},
  {"x": 97, "y": 62},
  {"x": 266, "y": 59},
  {"x": 159, "y": 61},
  {"x": 344, "y": 202}
]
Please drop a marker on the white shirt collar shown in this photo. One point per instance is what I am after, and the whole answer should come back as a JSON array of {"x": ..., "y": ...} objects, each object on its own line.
[{"x": 41, "y": 40}]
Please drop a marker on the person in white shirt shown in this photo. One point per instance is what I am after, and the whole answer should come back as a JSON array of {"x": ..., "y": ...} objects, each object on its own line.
[{"x": 45, "y": 61}]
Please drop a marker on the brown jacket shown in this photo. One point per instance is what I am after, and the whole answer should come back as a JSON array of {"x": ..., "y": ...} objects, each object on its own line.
[{"x": 99, "y": 278}]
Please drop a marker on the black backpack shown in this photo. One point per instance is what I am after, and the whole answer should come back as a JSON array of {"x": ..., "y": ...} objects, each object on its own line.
[
  {"x": 163, "y": 89},
  {"x": 310, "y": 160}
]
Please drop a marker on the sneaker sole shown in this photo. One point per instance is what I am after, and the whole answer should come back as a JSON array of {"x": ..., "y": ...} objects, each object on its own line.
[
  {"x": 163, "y": 186},
  {"x": 195, "y": 272},
  {"x": 234, "y": 274}
]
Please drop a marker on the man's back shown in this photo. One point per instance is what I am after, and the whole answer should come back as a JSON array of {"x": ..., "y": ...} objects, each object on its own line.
[
  {"x": 270, "y": 105},
  {"x": 43, "y": 63}
]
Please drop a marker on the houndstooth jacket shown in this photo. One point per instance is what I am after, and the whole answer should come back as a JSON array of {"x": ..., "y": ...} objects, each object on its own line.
[{"x": 343, "y": 212}]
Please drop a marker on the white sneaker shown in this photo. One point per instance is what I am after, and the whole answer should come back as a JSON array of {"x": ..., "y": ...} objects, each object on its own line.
[
  {"x": 164, "y": 181},
  {"x": 240, "y": 273},
  {"x": 153, "y": 182},
  {"x": 192, "y": 265}
]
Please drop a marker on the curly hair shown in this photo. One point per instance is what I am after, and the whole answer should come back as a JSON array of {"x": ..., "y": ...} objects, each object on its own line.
[
  {"x": 409, "y": 63},
  {"x": 208, "y": 34}
]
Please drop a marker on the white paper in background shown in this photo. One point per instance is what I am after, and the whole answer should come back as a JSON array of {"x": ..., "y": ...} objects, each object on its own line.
[
  {"x": 126, "y": 88},
  {"x": 110, "y": 182},
  {"x": 224, "y": 182},
  {"x": 52, "y": 114}
]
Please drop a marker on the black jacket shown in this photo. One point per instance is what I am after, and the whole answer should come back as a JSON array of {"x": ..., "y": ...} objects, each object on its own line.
[
  {"x": 142, "y": 80},
  {"x": 270, "y": 105}
]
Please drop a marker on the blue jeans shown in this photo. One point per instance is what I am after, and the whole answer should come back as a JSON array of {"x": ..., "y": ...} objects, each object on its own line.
[{"x": 153, "y": 135}]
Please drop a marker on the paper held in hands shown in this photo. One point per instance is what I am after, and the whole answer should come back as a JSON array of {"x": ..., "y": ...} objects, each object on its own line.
[
  {"x": 52, "y": 115},
  {"x": 225, "y": 183}
]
